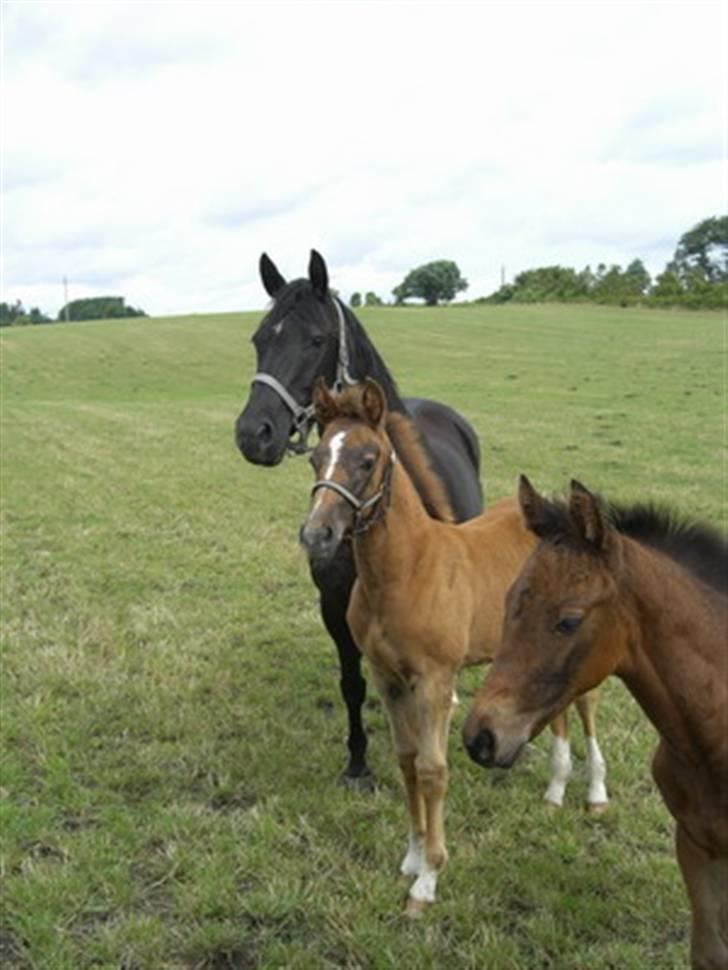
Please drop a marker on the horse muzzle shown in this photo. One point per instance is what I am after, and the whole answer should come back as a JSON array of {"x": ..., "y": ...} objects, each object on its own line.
[
  {"x": 493, "y": 740},
  {"x": 259, "y": 441},
  {"x": 321, "y": 541}
]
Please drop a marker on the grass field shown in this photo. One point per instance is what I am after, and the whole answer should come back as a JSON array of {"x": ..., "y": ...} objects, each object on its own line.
[{"x": 172, "y": 732}]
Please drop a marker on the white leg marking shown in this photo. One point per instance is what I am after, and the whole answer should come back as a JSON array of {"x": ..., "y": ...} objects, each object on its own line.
[
  {"x": 560, "y": 771},
  {"x": 597, "y": 771},
  {"x": 415, "y": 859},
  {"x": 424, "y": 886}
]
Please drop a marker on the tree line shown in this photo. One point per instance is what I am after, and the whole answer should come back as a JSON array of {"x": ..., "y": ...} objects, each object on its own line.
[
  {"x": 91, "y": 308},
  {"x": 696, "y": 276}
]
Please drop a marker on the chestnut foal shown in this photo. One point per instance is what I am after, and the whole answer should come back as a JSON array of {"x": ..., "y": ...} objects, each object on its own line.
[
  {"x": 428, "y": 597},
  {"x": 636, "y": 593}
]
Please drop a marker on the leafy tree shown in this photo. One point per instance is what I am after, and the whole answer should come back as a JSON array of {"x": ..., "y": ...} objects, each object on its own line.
[
  {"x": 431, "y": 282},
  {"x": 98, "y": 308},
  {"x": 355, "y": 300},
  {"x": 611, "y": 285},
  {"x": 637, "y": 279},
  {"x": 16, "y": 315},
  {"x": 667, "y": 288},
  {"x": 702, "y": 253},
  {"x": 371, "y": 299}
]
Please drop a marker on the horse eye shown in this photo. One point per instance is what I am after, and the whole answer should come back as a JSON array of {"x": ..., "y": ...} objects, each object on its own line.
[
  {"x": 318, "y": 340},
  {"x": 569, "y": 624},
  {"x": 367, "y": 464}
]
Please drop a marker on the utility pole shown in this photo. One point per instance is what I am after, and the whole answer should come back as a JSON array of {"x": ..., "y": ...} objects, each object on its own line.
[
  {"x": 65, "y": 297},
  {"x": 503, "y": 276}
]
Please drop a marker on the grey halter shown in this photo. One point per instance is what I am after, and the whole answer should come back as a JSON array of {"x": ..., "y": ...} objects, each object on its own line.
[{"x": 303, "y": 414}]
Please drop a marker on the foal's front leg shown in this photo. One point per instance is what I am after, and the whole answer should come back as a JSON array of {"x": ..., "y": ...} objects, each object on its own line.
[
  {"x": 433, "y": 699},
  {"x": 706, "y": 880},
  {"x": 402, "y": 721}
]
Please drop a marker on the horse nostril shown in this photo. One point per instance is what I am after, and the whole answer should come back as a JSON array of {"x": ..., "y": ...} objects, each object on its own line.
[
  {"x": 317, "y": 540},
  {"x": 482, "y": 747},
  {"x": 265, "y": 431}
]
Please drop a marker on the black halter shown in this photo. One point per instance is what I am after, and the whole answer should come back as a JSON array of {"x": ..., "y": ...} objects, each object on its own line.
[
  {"x": 379, "y": 501},
  {"x": 303, "y": 414}
]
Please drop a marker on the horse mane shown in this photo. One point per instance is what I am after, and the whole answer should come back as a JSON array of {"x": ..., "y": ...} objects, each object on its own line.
[
  {"x": 699, "y": 548},
  {"x": 410, "y": 449},
  {"x": 366, "y": 362},
  {"x": 364, "y": 357}
]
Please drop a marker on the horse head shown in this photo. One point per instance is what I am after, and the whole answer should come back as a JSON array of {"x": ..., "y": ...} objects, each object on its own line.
[
  {"x": 297, "y": 341},
  {"x": 353, "y": 466},
  {"x": 561, "y": 636}
]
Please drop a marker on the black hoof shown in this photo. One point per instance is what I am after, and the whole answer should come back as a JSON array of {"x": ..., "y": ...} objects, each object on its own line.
[{"x": 363, "y": 782}]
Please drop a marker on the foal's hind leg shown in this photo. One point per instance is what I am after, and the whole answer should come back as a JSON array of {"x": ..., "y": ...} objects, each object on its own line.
[
  {"x": 561, "y": 766},
  {"x": 597, "y": 798}
]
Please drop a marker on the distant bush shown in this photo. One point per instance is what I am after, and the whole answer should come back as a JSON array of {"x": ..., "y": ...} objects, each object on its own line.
[
  {"x": 15, "y": 315},
  {"x": 98, "y": 308}
]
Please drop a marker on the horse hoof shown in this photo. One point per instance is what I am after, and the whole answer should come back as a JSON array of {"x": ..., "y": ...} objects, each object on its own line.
[
  {"x": 597, "y": 808},
  {"x": 363, "y": 782},
  {"x": 415, "y": 908},
  {"x": 556, "y": 806}
]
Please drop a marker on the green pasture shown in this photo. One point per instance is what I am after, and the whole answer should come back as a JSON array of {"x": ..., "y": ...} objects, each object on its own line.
[{"x": 172, "y": 732}]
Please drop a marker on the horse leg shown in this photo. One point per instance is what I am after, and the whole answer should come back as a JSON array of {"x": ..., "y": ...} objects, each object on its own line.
[
  {"x": 561, "y": 766},
  {"x": 352, "y": 684},
  {"x": 597, "y": 798},
  {"x": 706, "y": 880},
  {"x": 434, "y": 709}
]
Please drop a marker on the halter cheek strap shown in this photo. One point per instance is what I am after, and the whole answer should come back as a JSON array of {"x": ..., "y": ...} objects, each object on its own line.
[
  {"x": 300, "y": 414},
  {"x": 343, "y": 377},
  {"x": 361, "y": 505},
  {"x": 303, "y": 415}
]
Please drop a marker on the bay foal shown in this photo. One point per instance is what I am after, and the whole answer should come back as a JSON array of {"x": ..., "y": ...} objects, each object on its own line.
[
  {"x": 428, "y": 596},
  {"x": 639, "y": 594}
]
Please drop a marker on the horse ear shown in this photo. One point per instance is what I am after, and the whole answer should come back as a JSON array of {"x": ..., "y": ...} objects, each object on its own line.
[
  {"x": 272, "y": 279},
  {"x": 586, "y": 514},
  {"x": 318, "y": 274},
  {"x": 324, "y": 403},
  {"x": 374, "y": 403},
  {"x": 532, "y": 505}
]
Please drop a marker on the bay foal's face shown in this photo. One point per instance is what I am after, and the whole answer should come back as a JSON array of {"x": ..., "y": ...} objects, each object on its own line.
[
  {"x": 560, "y": 635},
  {"x": 353, "y": 453}
]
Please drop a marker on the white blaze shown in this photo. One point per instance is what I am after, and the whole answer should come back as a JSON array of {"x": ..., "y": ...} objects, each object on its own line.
[{"x": 335, "y": 446}]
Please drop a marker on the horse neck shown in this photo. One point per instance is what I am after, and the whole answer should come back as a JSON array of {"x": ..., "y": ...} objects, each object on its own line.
[
  {"x": 385, "y": 552},
  {"x": 365, "y": 361},
  {"x": 675, "y": 652}
]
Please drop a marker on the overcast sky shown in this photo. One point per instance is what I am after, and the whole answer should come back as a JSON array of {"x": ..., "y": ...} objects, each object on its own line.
[{"x": 153, "y": 150}]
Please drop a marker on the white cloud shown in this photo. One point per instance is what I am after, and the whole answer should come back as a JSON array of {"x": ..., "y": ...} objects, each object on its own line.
[{"x": 155, "y": 149}]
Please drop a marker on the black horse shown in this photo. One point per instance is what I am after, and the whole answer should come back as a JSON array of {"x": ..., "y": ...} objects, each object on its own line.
[{"x": 308, "y": 333}]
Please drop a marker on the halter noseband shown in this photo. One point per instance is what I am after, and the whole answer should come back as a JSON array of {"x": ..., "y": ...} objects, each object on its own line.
[
  {"x": 361, "y": 505},
  {"x": 303, "y": 415}
]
